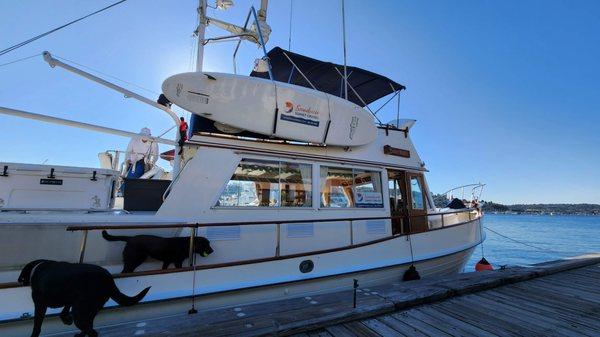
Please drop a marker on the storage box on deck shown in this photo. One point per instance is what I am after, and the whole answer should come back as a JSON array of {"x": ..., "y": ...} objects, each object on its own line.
[
  {"x": 144, "y": 194},
  {"x": 52, "y": 187}
]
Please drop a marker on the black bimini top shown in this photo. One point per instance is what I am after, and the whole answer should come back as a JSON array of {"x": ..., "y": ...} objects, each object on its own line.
[{"x": 325, "y": 77}]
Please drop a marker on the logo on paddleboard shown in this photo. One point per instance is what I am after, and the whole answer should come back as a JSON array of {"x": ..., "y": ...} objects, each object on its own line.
[
  {"x": 301, "y": 114},
  {"x": 289, "y": 107},
  {"x": 353, "y": 126}
]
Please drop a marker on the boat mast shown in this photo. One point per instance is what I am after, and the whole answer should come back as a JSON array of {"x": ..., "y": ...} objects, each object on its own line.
[
  {"x": 200, "y": 32},
  {"x": 345, "y": 67}
]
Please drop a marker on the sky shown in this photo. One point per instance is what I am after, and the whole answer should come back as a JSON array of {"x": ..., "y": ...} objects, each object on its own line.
[{"x": 505, "y": 93}]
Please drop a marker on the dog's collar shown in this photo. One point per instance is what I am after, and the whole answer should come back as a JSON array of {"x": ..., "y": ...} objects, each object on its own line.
[{"x": 33, "y": 270}]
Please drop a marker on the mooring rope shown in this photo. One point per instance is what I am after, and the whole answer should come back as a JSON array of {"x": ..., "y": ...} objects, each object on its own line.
[{"x": 521, "y": 242}]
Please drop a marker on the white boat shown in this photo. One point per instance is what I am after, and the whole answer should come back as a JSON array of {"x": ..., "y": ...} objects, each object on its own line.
[{"x": 288, "y": 214}]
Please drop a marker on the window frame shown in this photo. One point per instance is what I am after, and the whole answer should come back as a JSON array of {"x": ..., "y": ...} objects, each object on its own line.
[
  {"x": 262, "y": 208},
  {"x": 353, "y": 169}
]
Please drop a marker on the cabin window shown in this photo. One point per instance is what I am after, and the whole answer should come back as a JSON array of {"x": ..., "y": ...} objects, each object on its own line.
[
  {"x": 259, "y": 183},
  {"x": 345, "y": 187},
  {"x": 295, "y": 184},
  {"x": 416, "y": 193}
]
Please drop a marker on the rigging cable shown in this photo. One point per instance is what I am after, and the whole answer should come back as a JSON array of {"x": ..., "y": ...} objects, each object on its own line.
[
  {"x": 107, "y": 75},
  {"x": 21, "y": 59},
  {"x": 521, "y": 242},
  {"x": 21, "y": 44}
]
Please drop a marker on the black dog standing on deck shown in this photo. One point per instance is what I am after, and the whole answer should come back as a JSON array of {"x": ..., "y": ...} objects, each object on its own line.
[
  {"x": 83, "y": 287},
  {"x": 167, "y": 250}
]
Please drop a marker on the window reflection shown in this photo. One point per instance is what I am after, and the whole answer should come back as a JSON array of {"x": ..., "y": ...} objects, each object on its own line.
[
  {"x": 345, "y": 187},
  {"x": 416, "y": 193},
  {"x": 258, "y": 183}
]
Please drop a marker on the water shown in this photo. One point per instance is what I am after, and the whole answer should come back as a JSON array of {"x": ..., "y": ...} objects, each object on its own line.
[{"x": 556, "y": 236}]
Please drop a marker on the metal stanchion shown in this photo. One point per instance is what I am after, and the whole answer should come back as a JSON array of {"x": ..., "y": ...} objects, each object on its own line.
[
  {"x": 354, "y": 289},
  {"x": 192, "y": 259},
  {"x": 82, "y": 247}
]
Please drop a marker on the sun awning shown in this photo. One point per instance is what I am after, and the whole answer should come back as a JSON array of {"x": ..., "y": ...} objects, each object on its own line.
[{"x": 325, "y": 76}]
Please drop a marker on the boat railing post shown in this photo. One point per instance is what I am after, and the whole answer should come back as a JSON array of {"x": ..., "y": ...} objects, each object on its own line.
[
  {"x": 278, "y": 247},
  {"x": 354, "y": 287},
  {"x": 193, "y": 265},
  {"x": 469, "y": 212},
  {"x": 191, "y": 252},
  {"x": 82, "y": 247},
  {"x": 351, "y": 233},
  {"x": 442, "y": 215}
]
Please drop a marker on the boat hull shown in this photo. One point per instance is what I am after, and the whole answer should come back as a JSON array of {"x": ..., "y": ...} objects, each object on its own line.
[{"x": 437, "y": 253}]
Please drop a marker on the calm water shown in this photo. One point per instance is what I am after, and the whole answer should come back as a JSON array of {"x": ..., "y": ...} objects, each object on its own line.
[{"x": 559, "y": 236}]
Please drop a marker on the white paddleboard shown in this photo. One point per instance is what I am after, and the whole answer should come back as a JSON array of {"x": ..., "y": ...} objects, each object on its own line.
[{"x": 250, "y": 103}]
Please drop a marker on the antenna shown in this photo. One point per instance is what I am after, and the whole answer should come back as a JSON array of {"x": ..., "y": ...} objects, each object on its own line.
[
  {"x": 290, "y": 36},
  {"x": 345, "y": 67}
]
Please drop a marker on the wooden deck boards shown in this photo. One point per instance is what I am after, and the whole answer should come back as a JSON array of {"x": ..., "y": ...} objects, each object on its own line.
[{"x": 553, "y": 299}]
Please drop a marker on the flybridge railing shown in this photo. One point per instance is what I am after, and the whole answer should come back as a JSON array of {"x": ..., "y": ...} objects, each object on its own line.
[
  {"x": 468, "y": 215},
  {"x": 474, "y": 191}
]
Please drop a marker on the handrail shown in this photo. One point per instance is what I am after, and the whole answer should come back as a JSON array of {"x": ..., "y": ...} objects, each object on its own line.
[
  {"x": 144, "y": 225},
  {"x": 277, "y": 252},
  {"x": 475, "y": 186},
  {"x": 250, "y": 261}
]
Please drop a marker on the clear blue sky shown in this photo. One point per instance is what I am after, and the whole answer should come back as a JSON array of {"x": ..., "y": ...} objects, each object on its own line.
[{"x": 505, "y": 93}]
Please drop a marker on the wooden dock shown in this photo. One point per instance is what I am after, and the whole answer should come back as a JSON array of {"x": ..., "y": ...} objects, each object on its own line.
[{"x": 559, "y": 298}]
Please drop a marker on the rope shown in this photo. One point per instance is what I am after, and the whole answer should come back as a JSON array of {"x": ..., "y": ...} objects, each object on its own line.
[
  {"x": 19, "y": 60},
  {"x": 521, "y": 242},
  {"x": 21, "y": 44},
  {"x": 107, "y": 75}
]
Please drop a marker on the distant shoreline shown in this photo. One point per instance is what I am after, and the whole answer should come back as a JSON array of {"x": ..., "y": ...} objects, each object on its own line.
[
  {"x": 542, "y": 209},
  {"x": 542, "y": 214}
]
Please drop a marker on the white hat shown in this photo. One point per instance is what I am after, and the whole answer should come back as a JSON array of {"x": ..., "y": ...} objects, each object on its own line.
[{"x": 145, "y": 132}]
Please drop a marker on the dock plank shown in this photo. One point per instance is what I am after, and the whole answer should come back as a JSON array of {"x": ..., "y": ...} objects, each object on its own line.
[
  {"x": 433, "y": 313},
  {"x": 440, "y": 324},
  {"x": 382, "y": 329},
  {"x": 572, "y": 320},
  {"x": 546, "y": 325},
  {"x": 400, "y": 326}
]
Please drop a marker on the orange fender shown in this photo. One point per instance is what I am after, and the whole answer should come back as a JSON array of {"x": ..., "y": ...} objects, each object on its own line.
[{"x": 483, "y": 264}]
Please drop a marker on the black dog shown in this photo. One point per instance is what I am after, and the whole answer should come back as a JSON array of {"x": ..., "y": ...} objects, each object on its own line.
[
  {"x": 83, "y": 287},
  {"x": 167, "y": 250}
]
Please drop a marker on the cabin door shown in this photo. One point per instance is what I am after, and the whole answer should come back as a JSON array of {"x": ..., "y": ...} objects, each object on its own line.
[
  {"x": 398, "y": 201},
  {"x": 417, "y": 210}
]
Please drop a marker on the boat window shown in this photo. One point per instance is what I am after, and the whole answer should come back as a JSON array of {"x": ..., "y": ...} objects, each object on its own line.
[
  {"x": 295, "y": 185},
  {"x": 336, "y": 187},
  {"x": 416, "y": 193},
  {"x": 258, "y": 183},
  {"x": 345, "y": 187}
]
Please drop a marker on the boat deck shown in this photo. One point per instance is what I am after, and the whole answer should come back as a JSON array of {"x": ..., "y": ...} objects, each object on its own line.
[{"x": 555, "y": 298}]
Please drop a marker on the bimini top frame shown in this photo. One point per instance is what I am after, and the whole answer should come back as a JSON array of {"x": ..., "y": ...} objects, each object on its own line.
[{"x": 366, "y": 86}]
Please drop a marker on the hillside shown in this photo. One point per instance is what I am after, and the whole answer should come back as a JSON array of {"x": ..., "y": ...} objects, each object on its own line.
[{"x": 490, "y": 206}]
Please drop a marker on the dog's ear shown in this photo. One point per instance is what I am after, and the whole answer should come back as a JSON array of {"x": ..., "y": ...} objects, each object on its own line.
[{"x": 25, "y": 276}]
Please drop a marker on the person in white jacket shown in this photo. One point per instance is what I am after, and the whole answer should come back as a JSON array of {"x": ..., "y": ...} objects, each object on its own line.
[{"x": 141, "y": 153}]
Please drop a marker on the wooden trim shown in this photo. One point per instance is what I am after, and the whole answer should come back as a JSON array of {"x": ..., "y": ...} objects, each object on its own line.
[
  {"x": 262, "y": 260},
  {"x": 243, "y": 223},
  {"x": 394, "y": 151},
  {"x": 8, "y": 285}
]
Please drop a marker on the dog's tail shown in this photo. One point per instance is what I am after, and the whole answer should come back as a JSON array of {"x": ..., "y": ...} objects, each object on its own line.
[
  {"x": 125, "y": 300},
  {"x": 109, "y": 237}
]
